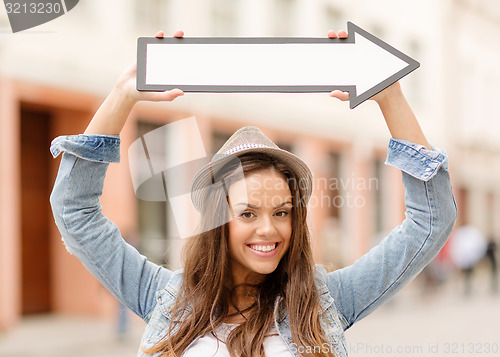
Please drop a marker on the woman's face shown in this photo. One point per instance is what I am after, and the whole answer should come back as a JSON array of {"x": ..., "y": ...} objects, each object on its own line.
[{"x": 261, "y": 225}]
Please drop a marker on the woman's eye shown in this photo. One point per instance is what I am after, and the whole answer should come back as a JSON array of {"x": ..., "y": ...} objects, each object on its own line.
[
  {"x": 247, "y": 215},
  {"x": 282, "y": 213}
]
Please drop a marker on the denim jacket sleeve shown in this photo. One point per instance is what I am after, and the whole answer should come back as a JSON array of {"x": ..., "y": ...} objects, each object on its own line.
[
  {"x": 88, "y": 234},
  {"x": 430, "y": 214}
]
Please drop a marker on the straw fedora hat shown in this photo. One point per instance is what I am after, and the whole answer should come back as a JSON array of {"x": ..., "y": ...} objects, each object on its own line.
[{"x": 245, "y": 140}]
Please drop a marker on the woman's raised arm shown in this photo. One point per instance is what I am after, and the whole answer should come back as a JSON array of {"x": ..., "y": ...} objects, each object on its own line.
[
  {"x": 87, "y": 233},
  {"x": 430, "y": 214}
]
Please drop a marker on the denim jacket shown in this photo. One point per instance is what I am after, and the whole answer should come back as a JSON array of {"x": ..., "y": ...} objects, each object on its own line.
[{"x": 346, "y": 295}]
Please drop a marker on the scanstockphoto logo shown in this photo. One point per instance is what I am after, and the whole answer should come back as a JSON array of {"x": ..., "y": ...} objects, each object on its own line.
[
  {"x": 163, "y": 164},
  {"x": 26, "y": 14}
]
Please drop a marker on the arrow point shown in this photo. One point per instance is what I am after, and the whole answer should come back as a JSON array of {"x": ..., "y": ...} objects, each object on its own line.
[{"x": 380, "y": 64}]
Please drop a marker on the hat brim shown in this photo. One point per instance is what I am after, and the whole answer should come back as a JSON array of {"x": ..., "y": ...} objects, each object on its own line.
[{"x": 205, "y": 177}]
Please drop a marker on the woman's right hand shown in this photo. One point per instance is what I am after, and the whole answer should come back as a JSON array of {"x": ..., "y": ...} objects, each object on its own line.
[
  {"x": 127, "y": 83},
  {"x": 114, "y": 111}
]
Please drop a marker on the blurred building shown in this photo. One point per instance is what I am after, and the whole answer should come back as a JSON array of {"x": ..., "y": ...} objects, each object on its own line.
[{"x": 54, "y": 77}]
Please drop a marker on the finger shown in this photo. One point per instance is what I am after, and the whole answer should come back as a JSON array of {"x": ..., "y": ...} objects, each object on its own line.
[
  {"x": 343, "y": 96},
  {"x": 132, "y": 68},
  {"x": 168, "y": 95},
  {"x": 332, "y": 34},
  {"x": 159, "y": 34},
  {"x": 343, "y": 34},
  {"x": 179, "y": 34},
  {"x": 176, "y": 92}
]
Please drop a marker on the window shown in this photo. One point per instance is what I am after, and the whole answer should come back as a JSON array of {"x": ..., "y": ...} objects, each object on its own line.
[
  {"x": 415, "y": 79},
  {"x": 333, "y": 200},
  {"x": 218, "y": 139},
  {"x": 152, "y": 218},
  {"x": 468, "y": 106},
  {"x": 4, "y": 22},
  {"x": 490, "y": 10},
  {"x": 334, "y": 176},
  {"x": 334, "y": 19},
  {"x": 378, "y": 31},
  {"x": 284, "y": 17},
  {"x": 152, "y": 13},
  {"x": 285, "y": 146},
  {"x": 490, "y": 214},
  {"x": 377, "y": 187},
  {"x": 463, "y": 205},
  {"x": 224, "y": 17}
]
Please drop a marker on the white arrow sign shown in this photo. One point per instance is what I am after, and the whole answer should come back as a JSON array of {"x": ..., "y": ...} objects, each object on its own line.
[{"x": 361, "y": 64}]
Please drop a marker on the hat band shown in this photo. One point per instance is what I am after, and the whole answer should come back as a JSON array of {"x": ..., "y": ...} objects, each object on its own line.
[{"x": 244, "y": 147}]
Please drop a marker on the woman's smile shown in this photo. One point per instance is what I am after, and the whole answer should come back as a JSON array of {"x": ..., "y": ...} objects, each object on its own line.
[
  {"x": 263, "y": 247},
  {"x": 264, "y": 250}
]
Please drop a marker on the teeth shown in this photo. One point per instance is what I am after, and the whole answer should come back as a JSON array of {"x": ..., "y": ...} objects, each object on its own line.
[{"x": 263, "y": 248}]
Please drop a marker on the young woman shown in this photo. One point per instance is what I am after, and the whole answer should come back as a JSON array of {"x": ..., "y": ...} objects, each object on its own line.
[{"x": 249, "y": 287}]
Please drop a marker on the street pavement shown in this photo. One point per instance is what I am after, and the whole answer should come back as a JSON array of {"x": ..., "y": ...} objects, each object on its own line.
[
  {"x": 443, "y": 323},
  {"x": 70, "y": 336}
]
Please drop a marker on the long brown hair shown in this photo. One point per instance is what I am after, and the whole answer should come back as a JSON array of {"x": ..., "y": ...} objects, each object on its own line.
[{"x": 207, "y": 280}]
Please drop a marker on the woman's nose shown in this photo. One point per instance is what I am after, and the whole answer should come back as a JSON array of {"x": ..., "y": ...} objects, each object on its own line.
[{"x": 266, "y": 227}]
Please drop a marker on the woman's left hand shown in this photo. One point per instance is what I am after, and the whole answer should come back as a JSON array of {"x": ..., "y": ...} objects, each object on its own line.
[
  {"x": 344, "y": 96},
  {"x": 399, "y": 116}
]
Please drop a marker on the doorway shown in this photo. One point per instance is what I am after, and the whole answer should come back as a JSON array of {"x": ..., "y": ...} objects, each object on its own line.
[{"x": 35, "y": 211}]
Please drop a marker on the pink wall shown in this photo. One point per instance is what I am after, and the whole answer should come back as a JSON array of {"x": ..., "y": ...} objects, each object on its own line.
[{"x": 9, "y": 206}]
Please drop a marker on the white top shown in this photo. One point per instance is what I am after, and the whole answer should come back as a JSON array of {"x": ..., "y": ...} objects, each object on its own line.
[{"x": 209, "y": 346}]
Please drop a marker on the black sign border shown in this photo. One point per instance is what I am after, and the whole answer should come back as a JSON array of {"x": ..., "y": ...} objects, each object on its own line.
[{"x": 352, "y": 29}]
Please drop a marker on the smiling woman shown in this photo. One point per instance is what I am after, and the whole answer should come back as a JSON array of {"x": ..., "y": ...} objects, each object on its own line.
[
  {"x": 249, "y": 286},
  {"x": 261, "y": 256}
]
